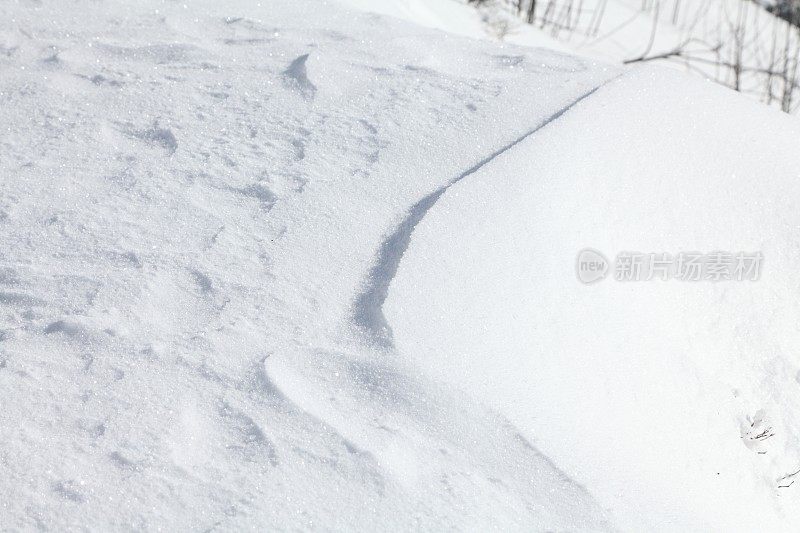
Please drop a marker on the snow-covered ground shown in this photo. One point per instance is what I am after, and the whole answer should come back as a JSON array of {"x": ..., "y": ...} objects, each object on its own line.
[
  {"x": 737, "y": 43},
  {"x": 293, "y": 265}
]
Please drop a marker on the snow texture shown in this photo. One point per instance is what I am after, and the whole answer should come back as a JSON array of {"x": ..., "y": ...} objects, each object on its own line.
[{"x": 271, "y": 266}]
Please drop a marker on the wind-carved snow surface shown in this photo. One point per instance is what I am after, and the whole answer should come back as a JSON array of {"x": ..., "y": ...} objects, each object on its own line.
[
  {"x": 635, "y": 389},
  {"x": 192, "y": 199},
  {"x": 297, "y": 78},
  {"x": 369, "y": 304},
  {"x": 203, "y": 208}
]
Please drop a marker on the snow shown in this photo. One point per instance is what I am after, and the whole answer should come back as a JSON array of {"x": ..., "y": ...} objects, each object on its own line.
[
  {"x": 291, "y": 265},
  {"x": 488, "y": 22},
  {"x": 737, "y": 43},
  {"x": 636, "y": 389}
]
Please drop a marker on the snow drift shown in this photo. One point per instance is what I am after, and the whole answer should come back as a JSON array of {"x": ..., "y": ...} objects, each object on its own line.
[
  {"x": 291, "y": 266},
  {"x": 640, "y": 387}
]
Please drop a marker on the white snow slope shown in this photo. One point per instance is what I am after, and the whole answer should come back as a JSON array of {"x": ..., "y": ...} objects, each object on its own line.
[{"x": 289, "y": 266}]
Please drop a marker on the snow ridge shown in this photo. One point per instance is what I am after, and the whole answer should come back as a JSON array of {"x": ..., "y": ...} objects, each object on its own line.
[{"x": 368, "y": 306}]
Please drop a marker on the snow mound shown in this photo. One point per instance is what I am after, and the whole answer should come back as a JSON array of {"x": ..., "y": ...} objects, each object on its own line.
[
  {"x": 675, "y": 403},
  {"x": 279, "y": 266},
  {"x": 192, "y": 199}
]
